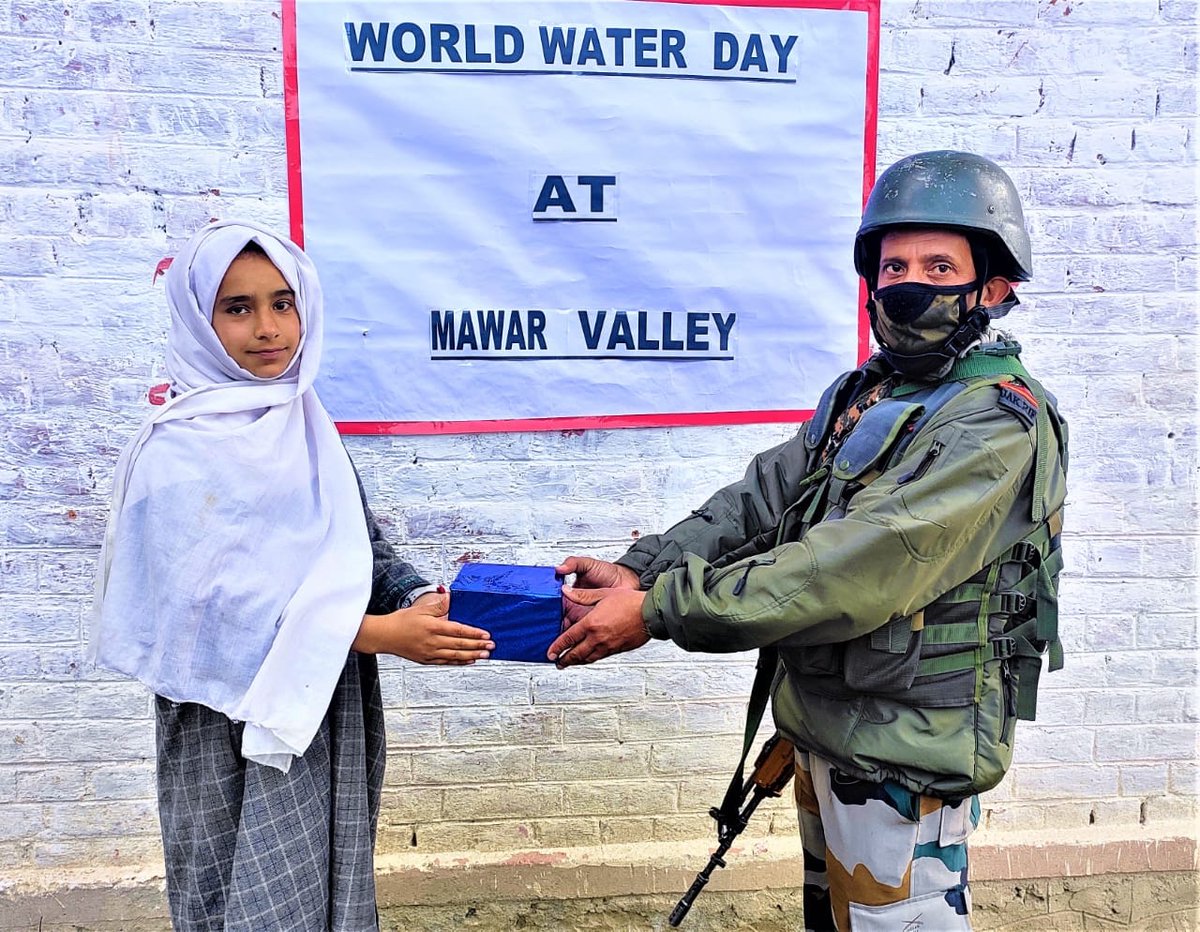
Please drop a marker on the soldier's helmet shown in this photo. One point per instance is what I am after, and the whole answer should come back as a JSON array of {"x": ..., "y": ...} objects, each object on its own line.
[{"x": 959, "y": 190}]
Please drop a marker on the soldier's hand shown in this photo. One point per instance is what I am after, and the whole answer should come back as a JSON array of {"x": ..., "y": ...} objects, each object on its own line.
[
  {"x": 611, "y": 624},
  {"x": 591, "y": 573}
]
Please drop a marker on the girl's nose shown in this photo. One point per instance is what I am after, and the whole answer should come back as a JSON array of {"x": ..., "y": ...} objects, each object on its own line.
[{"x": 266, "y": 327}]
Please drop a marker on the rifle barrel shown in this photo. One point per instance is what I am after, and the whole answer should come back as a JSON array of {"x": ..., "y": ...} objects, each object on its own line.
[{"x": 685, "y": 902}]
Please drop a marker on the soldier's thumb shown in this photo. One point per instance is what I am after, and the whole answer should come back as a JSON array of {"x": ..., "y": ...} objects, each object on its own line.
[{"x": 583, "y": 596}]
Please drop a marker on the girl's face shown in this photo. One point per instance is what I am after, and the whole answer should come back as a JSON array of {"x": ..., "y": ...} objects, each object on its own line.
[{"x": 255, "y": 316}]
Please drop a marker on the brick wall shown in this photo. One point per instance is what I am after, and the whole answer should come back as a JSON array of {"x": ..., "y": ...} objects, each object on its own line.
[{"x": 124, "y": 125}]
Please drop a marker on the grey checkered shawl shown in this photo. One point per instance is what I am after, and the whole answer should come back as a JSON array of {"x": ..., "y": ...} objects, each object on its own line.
[{"x": 251, "y": 849}]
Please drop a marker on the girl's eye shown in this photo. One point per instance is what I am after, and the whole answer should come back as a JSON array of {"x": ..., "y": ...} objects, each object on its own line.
[
  {"x": 237, "y": 310},
  {"x": 284, "y": 305}
]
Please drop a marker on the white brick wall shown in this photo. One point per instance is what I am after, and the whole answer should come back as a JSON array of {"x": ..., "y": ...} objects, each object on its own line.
[{"x": 125, "y": 124}]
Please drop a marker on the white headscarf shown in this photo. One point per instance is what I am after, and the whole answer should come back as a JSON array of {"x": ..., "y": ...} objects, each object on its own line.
[{"x": 236, "y": 565}]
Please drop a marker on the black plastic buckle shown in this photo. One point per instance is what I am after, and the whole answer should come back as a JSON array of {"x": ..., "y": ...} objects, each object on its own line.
[
  {"x": 1004, "y": 648},
  {"x": 1013, "y": 602},
  {"x": 1024, "y": 552}
]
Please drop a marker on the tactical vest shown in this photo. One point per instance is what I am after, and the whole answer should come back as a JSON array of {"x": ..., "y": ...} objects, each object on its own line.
[{"x": 931, "y": 700}]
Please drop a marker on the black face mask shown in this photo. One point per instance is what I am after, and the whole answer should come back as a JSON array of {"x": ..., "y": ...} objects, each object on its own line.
[
  {"x": 922, "y": 328},
  {"x": 905, "y": 302}
]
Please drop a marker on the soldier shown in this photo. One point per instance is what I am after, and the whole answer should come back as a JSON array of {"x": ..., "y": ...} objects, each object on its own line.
[{"x": 896, "y": 562}]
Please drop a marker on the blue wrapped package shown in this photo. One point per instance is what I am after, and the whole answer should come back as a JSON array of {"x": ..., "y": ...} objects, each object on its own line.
[{"x": 519, "y": 606}]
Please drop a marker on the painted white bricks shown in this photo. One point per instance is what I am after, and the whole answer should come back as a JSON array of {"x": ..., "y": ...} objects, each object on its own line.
[{"x": 126, "y": 124}]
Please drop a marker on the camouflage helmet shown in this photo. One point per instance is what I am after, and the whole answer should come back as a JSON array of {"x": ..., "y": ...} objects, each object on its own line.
[{"x": 959, "y": 190}]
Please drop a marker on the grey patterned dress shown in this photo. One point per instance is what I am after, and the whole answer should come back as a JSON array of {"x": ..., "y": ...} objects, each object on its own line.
[{"x": 250, "y": 848}]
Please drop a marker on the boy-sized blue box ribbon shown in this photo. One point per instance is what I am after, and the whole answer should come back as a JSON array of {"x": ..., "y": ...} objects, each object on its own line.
[{"x": 519, "y": 606}]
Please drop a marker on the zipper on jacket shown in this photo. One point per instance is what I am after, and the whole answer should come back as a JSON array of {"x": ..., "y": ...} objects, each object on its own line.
[
  {"x": 1008, "y": 686},
  {"x": 934, "y": 451},
  {"x": 740, "y": 585}
]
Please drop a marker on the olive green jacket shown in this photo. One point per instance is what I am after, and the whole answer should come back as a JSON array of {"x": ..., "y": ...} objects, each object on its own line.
[{"x": 747, "y": 570}]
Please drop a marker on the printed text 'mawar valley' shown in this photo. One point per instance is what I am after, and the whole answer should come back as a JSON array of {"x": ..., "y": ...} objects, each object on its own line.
[{"x": 508, "y": 331}]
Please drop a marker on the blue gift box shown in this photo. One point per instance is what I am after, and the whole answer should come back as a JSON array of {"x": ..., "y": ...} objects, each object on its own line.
[{"x": 519, "y": 606}]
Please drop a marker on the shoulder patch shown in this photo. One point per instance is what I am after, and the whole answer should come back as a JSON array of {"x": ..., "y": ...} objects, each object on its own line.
[{"x": 1020, "y": 401}]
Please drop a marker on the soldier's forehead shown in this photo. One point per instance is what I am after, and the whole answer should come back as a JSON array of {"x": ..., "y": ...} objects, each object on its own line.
[{"x": 932, "y": 238}]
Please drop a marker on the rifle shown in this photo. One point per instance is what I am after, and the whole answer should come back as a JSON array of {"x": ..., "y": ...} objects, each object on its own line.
[{"x": 774, "y": 767}]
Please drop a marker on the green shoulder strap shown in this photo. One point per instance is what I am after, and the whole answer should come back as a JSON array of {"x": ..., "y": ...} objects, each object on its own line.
[
  {"x": 980, "y": 364},
  {"x": 764, "y": 681},
  {"x": 1001, "y": 359}
]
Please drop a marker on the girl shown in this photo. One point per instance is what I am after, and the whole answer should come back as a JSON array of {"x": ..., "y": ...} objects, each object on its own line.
[{"x": 237, "y": 565}]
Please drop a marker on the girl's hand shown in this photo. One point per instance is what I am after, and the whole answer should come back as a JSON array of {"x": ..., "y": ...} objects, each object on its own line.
[{"x": 423, "y": 633}]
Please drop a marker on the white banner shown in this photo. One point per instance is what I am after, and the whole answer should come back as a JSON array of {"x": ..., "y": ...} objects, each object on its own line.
[{"x": 582, "y": 213}]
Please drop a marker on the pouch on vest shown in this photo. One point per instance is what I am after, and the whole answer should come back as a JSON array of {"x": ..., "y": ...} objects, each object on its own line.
[
  {"x": 885, "y": 661},
  {"x": 865, "y": 452},
  {"x": 873, "y": 437}
]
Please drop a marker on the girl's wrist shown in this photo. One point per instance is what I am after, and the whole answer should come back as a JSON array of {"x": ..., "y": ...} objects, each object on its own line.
[
  {"x": 416, "y": 593},
  {"x": 366, "y": 642}
]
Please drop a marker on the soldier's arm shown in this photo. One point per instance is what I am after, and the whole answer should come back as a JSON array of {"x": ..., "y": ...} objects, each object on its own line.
[
  {"x": 921, "y": 528},
  {"x": 730, "y": 518}
]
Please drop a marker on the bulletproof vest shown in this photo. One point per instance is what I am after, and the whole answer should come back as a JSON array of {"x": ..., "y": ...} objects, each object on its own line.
[{"x": 985, "y": 635}]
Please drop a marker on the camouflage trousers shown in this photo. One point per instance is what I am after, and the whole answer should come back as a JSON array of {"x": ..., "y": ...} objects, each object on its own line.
[{"x": 878, "y": 857}]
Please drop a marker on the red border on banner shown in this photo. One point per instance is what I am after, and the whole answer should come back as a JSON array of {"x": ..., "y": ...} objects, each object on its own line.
[
  {"x": 291, "y": 124},
  {"x": 590, "y": 422},
  {"x": 291, "y": 110}
]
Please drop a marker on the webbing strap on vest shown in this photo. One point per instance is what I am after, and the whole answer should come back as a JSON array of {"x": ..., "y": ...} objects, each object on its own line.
[
  {"x": 1041, "y": 461},
  {"x": 1023, "y": 644}
]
